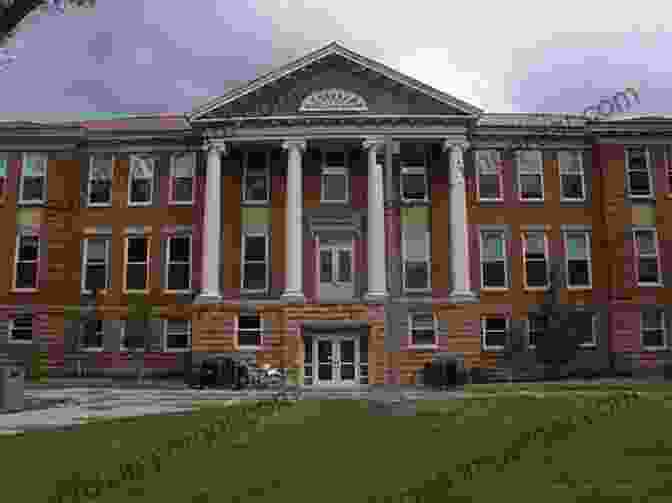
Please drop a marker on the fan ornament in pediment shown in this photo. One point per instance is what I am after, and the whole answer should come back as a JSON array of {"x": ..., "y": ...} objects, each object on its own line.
[{"x": 333, "y": 100}]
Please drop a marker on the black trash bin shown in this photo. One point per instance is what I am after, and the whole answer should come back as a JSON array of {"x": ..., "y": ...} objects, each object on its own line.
[
  {"x": 441, "y": 373},
  {"x": 222, "y": 372}
]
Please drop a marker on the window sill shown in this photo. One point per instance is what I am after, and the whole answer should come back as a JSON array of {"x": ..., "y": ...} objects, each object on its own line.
[
  {"x": 563, "y": 200},
  {"x": 536, "y": 288},
  {"x": 494, "y": 289},
  {"x": 415, "y": 201},
  {"x": 588, "y": 346},
  {"x": 493, "y": 349},
  {"x": 423, "y": 347},
  {"x": 255, "y": 203},
  {"x": 501, "y": 200},
  {"x": 249, "y": 348},
  {"x": 92, "y": 350},
  {"x": 243, "y": 291},
  {"x": 31, "y": 203},
  {"x": 139, "y": 205},
  {"x": 642, "y": 196},
  {"x": 579, "y": 288},
  {"x": 654, "y": 349},
  {"x": 181, "y": 203},
  {"x": 178, "y": 292},
  {"x": 99, "y": 205},
  {"x": 650, "y": 285},
  {"x": 24, "y": 290},
  {"x": 345, "y": 201},
  {"x": 531, "y": 201},
  {"x": 175, "y": 350},
  {"x": 104, "y": 291},
  {"x": 134, "y": 292},
  {"x": 19, "y": 341}
]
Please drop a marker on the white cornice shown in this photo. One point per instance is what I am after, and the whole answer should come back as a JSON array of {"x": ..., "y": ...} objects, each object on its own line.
[{"x": 333, "y": 48}]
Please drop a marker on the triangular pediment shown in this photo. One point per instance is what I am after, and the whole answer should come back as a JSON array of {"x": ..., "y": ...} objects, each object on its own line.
[{"x": 333, "y": 80}]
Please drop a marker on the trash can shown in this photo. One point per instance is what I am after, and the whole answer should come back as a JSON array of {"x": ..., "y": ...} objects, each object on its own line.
[
  {"x": 222, "y": 372},
  {"x": 12, "y": 375}
]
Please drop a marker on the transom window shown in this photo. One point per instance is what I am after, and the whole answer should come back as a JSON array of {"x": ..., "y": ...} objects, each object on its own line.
[
  {"x": 183, "y": 166},
  {"x": 4, "y": 168},
  {"x": 572, "y": 182},
  {"x": 255, "y": 262},
  {"x": 335, "y": 264},
  {"x": 536, "y": 326},
  {"x": 100, "y": 180},
  {"x": 92, "y": 336},
  {"x": 535, "y": 257},
  {"x": 646, "y": 249},
  {"x": 27, "y": 259},
  {"x": 416, "y": 252},
  {"x": 96, "y": 269},
  {"x": 493, "y": 260},
  {"x": 530, "y": 175},
  {"x": 422, "y": 327},
  {"x": 414, "y": 186},
  {"x": 653, "y": 329},
  {"x": 489, "y": 175},
  {"x": 137, "y": 263},
  {"x": 577, "y": 246},
  {"x": 177, "y": 335},
  {"x": 141, "y": 183},
  {"x": 33, "y": 184},
  {"x": 493, "y": 332},
  {"x": 256, "y": 177},
  {"x": 249, "y": 330},
  {"x": 21, "y": 328},
  {"x": 334, "y": 181},
  {"x": 639, "y": 172},
  {"x": 178, "y": 263}
]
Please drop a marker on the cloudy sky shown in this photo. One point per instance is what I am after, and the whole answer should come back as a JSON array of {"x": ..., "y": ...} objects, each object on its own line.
[{"x": 142, "y": 56}]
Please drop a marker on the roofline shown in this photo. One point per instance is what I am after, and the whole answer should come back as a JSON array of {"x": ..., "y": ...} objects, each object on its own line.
[{"x": 331, "y": 48}]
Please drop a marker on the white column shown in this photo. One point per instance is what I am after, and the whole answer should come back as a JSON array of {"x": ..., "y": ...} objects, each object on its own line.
[
  {"x": 212, "y": 226},
  {"x": 294, "y": 250},
  {"x": 377, "y": 289},
  {"x": 459, "y": 245}
]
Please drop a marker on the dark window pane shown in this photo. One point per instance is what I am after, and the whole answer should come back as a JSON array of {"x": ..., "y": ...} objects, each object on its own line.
[
  {"x": 344, "y": 266},
  {"x": 489, "y": 186},
  {"x": 95, "y": 277},
  {"x": 639, "y": 183},
  {"x": 179, "y": 249},
  {"x": 255, "y": 248},
  {"x": 495, "y": 323},
  {"x": 334, "y": 158},
  {"x": 494, "y": 274},
  {"x": 22, "y": 328},
  {"x": 417, "y": 275},
  {"x": 578, "y": 273},
  {"x": 254, "y": 276},
  {"x": 248, "y": 322},
  {"x": 28, "y": 247},
  {"x": 414, "y": 186},
  {"x": 33, "y": 188},
  {"x": 648, "y": 270},
  {"x": 335, "y": 187},
  {"x": 495, "y": 339},
  {"x": 249, "y": 338},
  {"x": 178, "y": 276},
  {"x": 571, "y": 187},
  {"x": 423, "y": 337},
  {"x": 256, "y": 186},
  {"x": 137, "y": 249},
  {"x": 326, "y": 265},
  {"x": 536, "y": 273},
  {"x": 136, "y": 278},
  {"x": 308, "y": 350},
  {"x": 653, "y": 338},
  {"x": 93, "y": 334},
  {"x": 140, "y": 191},
  {"x": 182, "y": 189},
  {"x": 530, "y": 186},
  {"x": 26, "y": 275},
  {"x": 101, "y": 192}
]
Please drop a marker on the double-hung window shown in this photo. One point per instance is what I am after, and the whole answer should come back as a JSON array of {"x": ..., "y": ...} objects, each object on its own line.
[
  {"x": 178, "y": 263},
  {"x": 256, "y": 177},
  {"x": 422, "y": 328},
  {"x": 96, "y": 274},
  {"x": 530, "y": 175},
  {"x": 182, "y": 168},
  {"x": 335, "y": 264},
  {"x": 141, "y": 180},
  {"x": 577, "y": 246},
  {"x": 638, "y": 168},
  {"x": 255, "y": 262},
  {"x": 33, "y": 183},
  {"x": 494, "y": 332},
  {"x": 414, "y": 183},
  {"x": 646, "y": 249},
  {"x": 572, "y": 182},
  {"x": 137, "y": 264},
  {"x": 177, "y": 335},
  {"x": 416, "y": 253},
  {"x": 21, "y": 328},
  {"x": 536, "y": 327},
  {"x": 653, "y": 329},
  {"x": 489, "y": 175},
  {"x": 4, "y": 169},
  {"x": 100, "y": 180},
  {"x": 92, "y": 337},
  {"x": 493, "y": 259},
  {"x": 536, "y": 259},
  {"x": 249, "y": 331},
  {"x": 27, "y": 260}
]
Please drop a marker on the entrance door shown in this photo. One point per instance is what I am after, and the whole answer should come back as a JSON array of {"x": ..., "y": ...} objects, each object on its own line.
[
  {"x": 336, "y": 360},
  {"x": 325, "y": 360}
]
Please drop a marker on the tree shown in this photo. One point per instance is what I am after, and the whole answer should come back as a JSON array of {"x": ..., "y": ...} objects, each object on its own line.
[{"x": 138, "y": 332}]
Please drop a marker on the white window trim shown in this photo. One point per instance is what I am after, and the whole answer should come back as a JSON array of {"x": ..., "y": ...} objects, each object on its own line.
[
  {"x": 647, "y": 157},
  {"x": 100, "y": 348},
  {"x": 589, "y": 259},
  {"x": 483, "y": 332},
  {"x": 498, "y": 172},
  {"x": 594, "y": 327},
  {"x": 16, "y": 262},
  {"x": 171, "y": 194},
  {"x": 505, "y": 260},
  {"x": 564, "y": 170},
  {"x": 11, "y": 340},
  {"x": 168, "y": 262},
  {"x": 151, "y": 180},
  {"x": 539, "y": 171},
  {"x": 261, "y": 334},
  {"x": 428, "y": 260},
  {"x": 435, "y": 324},
  {"x": 335, "y": 268},
  {"x": 267, "y": 176},
  {"x": 89, "y": 204},
  {"x": 149, "y": 247},
  {"x": 642, "y": 330},
  {"x": 85, "y": 258},
  {"x": 242, "y": 261},
  {"x": 334, "y": 170},
  {"x": 164, "y": 342},
  {"x": 546, "y": 261},
  {"x": 659, "y": 282},
  {"x": 414, "y": 170},
  {"x": 24, "y": 163}
]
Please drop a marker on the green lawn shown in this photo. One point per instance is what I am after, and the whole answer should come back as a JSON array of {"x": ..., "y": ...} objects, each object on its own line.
[{"x": 335, "y": 450}]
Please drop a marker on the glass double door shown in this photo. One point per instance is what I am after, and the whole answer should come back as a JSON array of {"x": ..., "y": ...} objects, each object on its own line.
[{"x": 335, "y": 360}]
